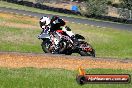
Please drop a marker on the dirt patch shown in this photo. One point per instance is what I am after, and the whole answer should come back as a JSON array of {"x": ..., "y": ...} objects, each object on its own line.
[
  {"x": 18, "y": 21},
  {"x": 16, "y": 25},
  {"x": 18, "y": 60},
  {"x": 9, "y": 16}
]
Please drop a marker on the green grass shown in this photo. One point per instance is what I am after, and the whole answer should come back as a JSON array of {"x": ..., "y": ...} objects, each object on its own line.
[
  {"x": 107, "y": 42},
  {"x": 52, "y": 78},
  {"x": 21, "y": 40}
]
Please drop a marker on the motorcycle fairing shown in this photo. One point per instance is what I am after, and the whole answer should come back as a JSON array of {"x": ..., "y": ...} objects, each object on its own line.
[
  {"x": 44, "y": 35},
  {"x": 79, "y": 36}
]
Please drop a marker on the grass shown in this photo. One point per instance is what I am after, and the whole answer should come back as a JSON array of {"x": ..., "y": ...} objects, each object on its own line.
[
  {"x": 16, "y": 36},
  {"x": 18, "y": 19},
  {"x": 21, "y": 40},
  {"x": 107, "y": 42},
  {"x": 52, "y": 78}
]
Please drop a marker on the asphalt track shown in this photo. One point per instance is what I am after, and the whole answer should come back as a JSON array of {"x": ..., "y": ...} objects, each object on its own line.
[{"x": 73, "y": 20}]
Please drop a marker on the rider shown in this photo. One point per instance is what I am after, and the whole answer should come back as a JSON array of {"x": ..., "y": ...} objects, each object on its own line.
[
  {"x": 44, "y": 23},
  {"x": 54, "y": 24}
]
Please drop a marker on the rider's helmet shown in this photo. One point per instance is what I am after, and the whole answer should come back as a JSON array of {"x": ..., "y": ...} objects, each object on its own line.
[{"x": 44, "y": 21}]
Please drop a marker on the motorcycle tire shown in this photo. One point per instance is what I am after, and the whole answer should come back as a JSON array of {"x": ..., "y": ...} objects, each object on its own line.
[
  {"x": 68, "y": 53},
  {"x": 45, "y": 47},
  {"x": 84, "y": 53}
]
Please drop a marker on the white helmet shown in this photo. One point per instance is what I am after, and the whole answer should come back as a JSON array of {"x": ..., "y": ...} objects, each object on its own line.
[{"x": 44, "y": 21}]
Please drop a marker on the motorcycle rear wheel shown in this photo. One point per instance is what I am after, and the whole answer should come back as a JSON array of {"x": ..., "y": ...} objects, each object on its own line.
[
  {"x": 68, "y": 52},
  {"x": 85, "y": 53}
]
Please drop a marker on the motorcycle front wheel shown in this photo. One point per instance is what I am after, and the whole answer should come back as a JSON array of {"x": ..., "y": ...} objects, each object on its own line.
[{"x": 46, "y": 46}]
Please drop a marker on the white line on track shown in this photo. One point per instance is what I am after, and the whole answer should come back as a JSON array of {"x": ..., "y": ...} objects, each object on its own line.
[
  {"x": 98, "y": 26},
  {"x": 35, "y": 16},
  {"x": 103, "y": 27},
  {"x": 11, "y": 12},
  {"x": 66, "y": 21},
  {"x": 17, "y": 13},
  {"x": 92, "y": 25},
  {"x": 29, "y": 15}
]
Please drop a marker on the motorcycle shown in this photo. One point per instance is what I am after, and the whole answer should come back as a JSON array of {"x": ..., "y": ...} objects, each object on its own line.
[{"x": 59, "y": 42}]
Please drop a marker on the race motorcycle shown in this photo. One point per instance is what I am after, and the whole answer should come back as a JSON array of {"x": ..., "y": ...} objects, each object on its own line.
[{"x": 58, "y": 42}]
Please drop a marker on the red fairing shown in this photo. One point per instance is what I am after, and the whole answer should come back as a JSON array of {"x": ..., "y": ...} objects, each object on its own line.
[{"x": 60, "y": 31}]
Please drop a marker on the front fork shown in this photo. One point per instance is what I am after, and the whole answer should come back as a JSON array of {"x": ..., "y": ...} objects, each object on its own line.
[{"x": 55, "y": 42}]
